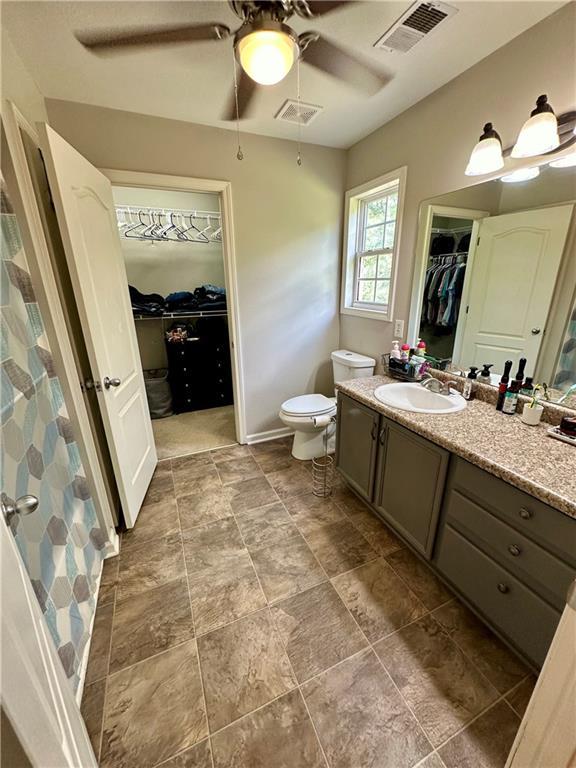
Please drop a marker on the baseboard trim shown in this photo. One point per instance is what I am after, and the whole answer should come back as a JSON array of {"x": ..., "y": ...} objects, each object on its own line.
[{"x": 271, "y": 434}]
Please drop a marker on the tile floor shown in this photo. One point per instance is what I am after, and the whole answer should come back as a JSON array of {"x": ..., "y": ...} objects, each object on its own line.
[{"x": 248, "y": 624}]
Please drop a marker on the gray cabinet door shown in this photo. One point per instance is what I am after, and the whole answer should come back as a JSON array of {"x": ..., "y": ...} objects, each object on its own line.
[
  {"x": 356, "y": 444},
  {"x": 409, "y": 484}
]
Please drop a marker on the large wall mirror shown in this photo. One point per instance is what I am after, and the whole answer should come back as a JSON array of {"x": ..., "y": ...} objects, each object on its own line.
[{"x": 495, "y": 279}]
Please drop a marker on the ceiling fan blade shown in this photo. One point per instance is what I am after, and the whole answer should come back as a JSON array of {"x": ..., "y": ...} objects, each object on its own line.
[
  {"x": 246, "y": 90},
  {"x": 330, "y": 58},
  {"x": 310, "y": 8},
  {"x": 106, "y": 41}
]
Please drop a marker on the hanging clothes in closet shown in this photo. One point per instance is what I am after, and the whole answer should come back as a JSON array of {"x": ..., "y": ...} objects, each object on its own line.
[{"x": 443, "y": 289}]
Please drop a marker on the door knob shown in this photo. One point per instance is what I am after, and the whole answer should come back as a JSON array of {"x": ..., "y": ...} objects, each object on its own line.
[
  {"x": 535, "y": 331},
  {"x": 24, "y": 505},
  {"x": 108, "y": 382}
]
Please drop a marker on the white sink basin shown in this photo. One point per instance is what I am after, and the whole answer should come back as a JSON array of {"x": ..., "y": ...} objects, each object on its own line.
[{"x": 415, "y": 398}]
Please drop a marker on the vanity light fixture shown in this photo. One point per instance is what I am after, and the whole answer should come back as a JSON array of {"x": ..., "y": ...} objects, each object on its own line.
[
  {"x": 542, "y": 134},
  {"x": 539, "y": 133},
  {"x": 522, "y": 174},
  {"x": 568, "y": 161},
  {"x": 486, "y": 156}
]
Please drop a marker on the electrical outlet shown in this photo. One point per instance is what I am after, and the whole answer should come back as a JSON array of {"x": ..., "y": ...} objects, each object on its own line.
[{"x": 399, "y": 328}]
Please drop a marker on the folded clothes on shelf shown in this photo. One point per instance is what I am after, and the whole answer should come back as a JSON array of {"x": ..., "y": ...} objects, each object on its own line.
[{"x": 204, "y": 298}]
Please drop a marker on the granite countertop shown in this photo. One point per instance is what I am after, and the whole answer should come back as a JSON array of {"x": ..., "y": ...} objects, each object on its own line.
[{"x": 521, "y": 455}]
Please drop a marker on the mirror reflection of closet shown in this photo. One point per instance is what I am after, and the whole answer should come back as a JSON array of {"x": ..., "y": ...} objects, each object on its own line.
[{"x": 448, "y": 249}]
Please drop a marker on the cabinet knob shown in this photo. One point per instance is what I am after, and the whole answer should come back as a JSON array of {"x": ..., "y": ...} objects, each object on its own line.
[
  {"x": 374, "y": 431},
  {"x": 504, "y": 588},
  {"x": 525, "y": 514},
  {"x": 514, "y": 549},
  {"x": 382, "y": 436}
]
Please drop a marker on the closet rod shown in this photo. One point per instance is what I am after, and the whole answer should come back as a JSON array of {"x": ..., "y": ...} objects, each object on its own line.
[{"x": 194, "y": 212}]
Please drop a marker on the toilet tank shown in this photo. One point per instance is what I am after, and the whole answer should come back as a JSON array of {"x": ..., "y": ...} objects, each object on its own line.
[{"x": 351, "y": 365}]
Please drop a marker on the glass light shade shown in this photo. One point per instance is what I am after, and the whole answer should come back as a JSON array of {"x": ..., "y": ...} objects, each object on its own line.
[
  {"x": 266, "y": 56},
  {"x": 486, "y": 157},
  {"x": 522, "y": 174},
  {"x": 539, "y": 134},
  {"x": 568, "y": 161}
]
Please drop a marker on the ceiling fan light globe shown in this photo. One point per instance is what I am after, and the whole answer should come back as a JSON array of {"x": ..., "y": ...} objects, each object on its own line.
[
  {"x": 486, "y": 157},
  {"x": 539, "y": 134},
  {"x": 266, "y": 56}
]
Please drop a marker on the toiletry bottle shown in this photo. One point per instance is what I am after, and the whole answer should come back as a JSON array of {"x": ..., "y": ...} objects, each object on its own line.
[
  {"x": 395, "y": 351},
  {"x": 421, "y": 348},
  {"x": 484, "y": 375},
  {"x": 468, "y": 388},
  {"x": 405, "y": 352},
  {"x": 528, "y": 387},
  {"x": 511, "y": 396},
  {"x": 503, "y": 386}
]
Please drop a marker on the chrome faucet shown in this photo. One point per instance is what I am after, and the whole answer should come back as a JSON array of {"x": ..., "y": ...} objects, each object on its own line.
[{"x": 434, "y": 385}]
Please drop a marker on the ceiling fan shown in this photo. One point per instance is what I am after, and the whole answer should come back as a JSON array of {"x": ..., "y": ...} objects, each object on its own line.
[{"x": 265, "y": 46}]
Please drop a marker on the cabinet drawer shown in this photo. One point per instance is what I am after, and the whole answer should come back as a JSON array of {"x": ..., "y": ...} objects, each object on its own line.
[
  {"x": 510, "y": 606},
  {"x": 537, "y": 520},
  {"x": 544, "y": 572}
]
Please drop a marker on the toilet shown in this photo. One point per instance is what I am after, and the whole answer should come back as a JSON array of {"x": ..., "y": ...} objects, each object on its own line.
[{"x": 311, "y": 416}]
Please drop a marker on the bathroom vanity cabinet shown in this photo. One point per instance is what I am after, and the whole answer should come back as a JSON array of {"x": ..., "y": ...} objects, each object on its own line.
[
  {"x": 510, "y": 556},
  {"x": 399, "y": 473}
]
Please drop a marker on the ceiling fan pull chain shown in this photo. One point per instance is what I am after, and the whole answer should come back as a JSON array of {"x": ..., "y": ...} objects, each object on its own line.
[
  {"x": 299, "y": 156},
  {"x": 239, "y": 154}
]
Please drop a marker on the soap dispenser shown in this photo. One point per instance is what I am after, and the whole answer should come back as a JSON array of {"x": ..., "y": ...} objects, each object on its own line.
[
  {"x": 395, "y": 351},
  {"x": 468, "y": 389},
  {"x": 484, "y": 375}
]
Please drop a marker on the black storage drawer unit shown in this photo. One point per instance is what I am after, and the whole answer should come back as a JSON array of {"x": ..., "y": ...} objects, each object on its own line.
[
  {"x": 200, "y": 372},
  {"x": 521, "y": 615}
]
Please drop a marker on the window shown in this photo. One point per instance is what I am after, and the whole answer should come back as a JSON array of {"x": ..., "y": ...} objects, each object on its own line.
[{"x": 372, "y": 242}]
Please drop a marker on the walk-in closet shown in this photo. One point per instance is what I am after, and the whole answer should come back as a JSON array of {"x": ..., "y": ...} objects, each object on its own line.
[
  {"x": 172, "y": 248},
  {"x": 448, "y": 250}
]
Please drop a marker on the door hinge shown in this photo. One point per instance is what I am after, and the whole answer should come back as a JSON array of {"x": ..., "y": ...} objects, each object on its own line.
[{"x": 478, "y": 242}]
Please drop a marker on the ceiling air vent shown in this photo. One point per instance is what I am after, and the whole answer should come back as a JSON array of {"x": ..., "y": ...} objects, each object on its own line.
[
  {"x": 301, "y": 113},
  {"x": 418, "y": 21}
]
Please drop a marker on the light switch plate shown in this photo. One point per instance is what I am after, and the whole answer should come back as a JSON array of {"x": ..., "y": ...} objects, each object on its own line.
[{"x": 399, "y": 328}]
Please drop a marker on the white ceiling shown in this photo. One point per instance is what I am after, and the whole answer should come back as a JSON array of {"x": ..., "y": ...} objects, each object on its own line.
[{"x": 192, "y": 82}]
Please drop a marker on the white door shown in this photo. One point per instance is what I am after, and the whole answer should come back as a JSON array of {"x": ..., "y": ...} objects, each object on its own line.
[
  {"x": 85, "y": 209},
  {"x": 36, "y": 696},
  {"x": 511, "y": 286}
]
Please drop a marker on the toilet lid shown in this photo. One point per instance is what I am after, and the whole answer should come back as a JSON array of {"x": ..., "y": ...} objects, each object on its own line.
[{"x": 307, "y": 405}]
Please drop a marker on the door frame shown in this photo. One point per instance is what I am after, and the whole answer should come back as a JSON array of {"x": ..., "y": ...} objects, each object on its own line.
[
  {"x": 223, "y": 189},
  {"x": 46, "y": 289},
  {"x": 425, "y": 218}
]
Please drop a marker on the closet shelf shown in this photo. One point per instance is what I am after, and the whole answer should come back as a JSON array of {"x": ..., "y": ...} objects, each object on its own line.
[{"x": 178, "y": 315}]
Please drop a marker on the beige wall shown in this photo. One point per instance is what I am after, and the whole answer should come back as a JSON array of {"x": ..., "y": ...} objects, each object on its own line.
[
  {"x": 287, "y": 225},
  {"x": 17, "y": 84},
  {"x": 434, "y": 139}
]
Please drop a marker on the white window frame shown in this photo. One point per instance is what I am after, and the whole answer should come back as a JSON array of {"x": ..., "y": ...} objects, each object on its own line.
[{"x": 355, "y": 203}]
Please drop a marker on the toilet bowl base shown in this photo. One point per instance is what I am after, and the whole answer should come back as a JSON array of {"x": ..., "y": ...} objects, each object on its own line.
[{"x": 310, "y": 445}]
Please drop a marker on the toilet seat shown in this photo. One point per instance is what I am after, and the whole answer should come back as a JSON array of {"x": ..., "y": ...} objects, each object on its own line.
[{"x": 308, "y": 405}]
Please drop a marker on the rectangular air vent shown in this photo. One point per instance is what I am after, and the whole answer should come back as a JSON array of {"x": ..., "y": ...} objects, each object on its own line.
[
  {"x": 418, "y": 21},
  {"x": 301, "y": 113}
]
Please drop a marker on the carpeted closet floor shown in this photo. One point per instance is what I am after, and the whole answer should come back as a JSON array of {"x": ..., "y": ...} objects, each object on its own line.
[{"x": 186, "y": 433}]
